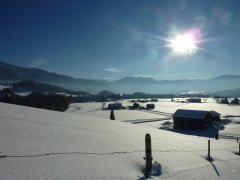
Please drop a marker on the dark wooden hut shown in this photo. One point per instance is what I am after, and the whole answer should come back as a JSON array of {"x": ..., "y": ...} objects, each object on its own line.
[{"x": 194, "y": 119}]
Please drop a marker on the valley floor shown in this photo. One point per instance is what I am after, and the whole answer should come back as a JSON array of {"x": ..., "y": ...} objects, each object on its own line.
[
  {"x": 162, "y": 113},
  {"x": 84, "y": 144}
]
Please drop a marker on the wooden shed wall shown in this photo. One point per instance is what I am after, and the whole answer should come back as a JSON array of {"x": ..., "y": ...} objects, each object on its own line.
[{"x": 188, "y": 123}]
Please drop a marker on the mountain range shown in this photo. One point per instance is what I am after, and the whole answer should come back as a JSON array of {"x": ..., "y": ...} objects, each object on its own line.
[{"x": 220, "y": 84}]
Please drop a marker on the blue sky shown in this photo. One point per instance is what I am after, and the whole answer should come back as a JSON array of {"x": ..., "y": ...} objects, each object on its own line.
[{"x": 111, "y": 39}]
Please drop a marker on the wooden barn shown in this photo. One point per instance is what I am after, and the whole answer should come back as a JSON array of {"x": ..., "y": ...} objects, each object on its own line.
[
  {"x": 194, "y": 100},
  {"x": 194, "y": 119},
  {"x": 113, "y": 106},
  {"x": 150, "y": 106}
]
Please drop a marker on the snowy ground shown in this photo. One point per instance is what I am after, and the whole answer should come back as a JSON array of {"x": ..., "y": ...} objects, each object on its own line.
[
  {"x": 158, "y": 119},
  {"x": 42, "y": 144},
  {"x": 27, "y": 93},
  {"x": 3, "y": 87},
  {"x": 23, "y": 93}
]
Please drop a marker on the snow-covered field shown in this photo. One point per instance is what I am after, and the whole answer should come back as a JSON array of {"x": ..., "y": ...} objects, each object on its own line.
[
  {"x": 163, "y": 105},
  {"x": 84, "y": 144},
  {"x": 27, "y": 93}
]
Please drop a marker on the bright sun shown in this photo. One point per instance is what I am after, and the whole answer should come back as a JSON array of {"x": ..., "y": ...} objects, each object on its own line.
[{"x": 185, "y": 43}]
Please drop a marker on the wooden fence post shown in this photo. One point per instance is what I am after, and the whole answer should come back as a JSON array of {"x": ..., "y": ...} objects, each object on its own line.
[
  {"x": 209, "y": 157},
  {"x": 112, "y": 117},
  {"x": 148, "y": 157},
  {"x": 239, "y": 149}
]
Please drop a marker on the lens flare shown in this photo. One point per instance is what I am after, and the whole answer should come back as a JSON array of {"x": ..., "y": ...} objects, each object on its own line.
[{"x": 185, "y": 43}]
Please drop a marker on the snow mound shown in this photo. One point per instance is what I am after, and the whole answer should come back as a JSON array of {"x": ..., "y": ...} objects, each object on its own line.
[{"x": 42, "y": 144}]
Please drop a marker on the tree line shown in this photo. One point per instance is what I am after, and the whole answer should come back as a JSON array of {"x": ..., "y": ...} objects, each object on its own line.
[
  {"x": 58, "y": 102},
  {"x": 36, "y": 99}
]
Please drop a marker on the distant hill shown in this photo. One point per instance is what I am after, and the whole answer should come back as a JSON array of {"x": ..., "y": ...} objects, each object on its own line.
[
  {"x": 149, "y": 85},
  {"x": 11, "y": 73},
  {"x": 27, "y": 85},
  {"x": 228, "y": 93},
  {"x": 32, "y": 86},
  {"x": 136, "y": 80},
  {"x": 15, "y": 73}
]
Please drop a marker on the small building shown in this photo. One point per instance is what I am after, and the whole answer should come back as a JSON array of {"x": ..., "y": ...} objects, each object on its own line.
[
  {"x": 136, "y": 105},
  {"x": 150, "y": 106},
  {"x": 194, "y": 119},
  {"x": 194, "y": 100},
  {"x": 115, "y": 106},
  {"x": 154, "y": 100}
]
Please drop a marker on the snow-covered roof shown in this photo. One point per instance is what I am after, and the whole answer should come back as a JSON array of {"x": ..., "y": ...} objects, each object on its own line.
[
  {"x": 214, "y": 113},
  {"x": 116, "y": 104},
  {"x": 196, "y": 114},
  {"x": 2, "y": 87}
]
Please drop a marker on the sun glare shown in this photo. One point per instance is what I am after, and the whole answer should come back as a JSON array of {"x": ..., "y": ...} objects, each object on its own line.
[{"x": 185, "y": 43}]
